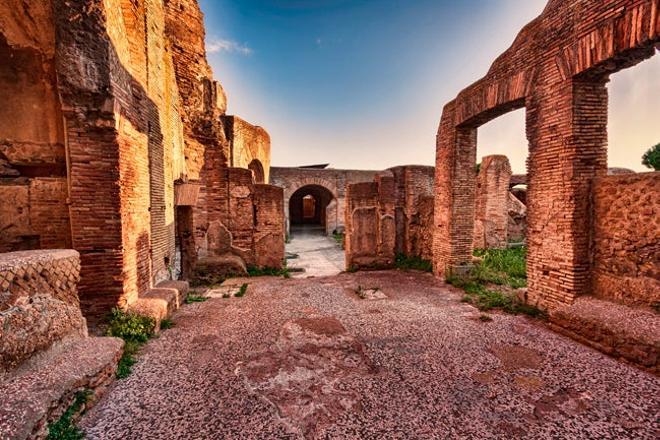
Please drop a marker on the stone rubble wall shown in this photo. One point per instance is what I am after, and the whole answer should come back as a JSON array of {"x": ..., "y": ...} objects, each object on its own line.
[
  {"x": 269, "y": 226},
  {"x": 38, "y": 303},
  {"x": 491, "y": 217},
  {"x": 626, "y": 239},
  {"x": 370, "y": 239}
]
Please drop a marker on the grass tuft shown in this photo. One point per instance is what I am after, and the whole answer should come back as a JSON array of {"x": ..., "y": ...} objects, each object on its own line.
[
  {"x": 405, "y": 262},
  {"x": 65, "y": 428},
  {"x": 166, "y": 324},
  {"x": 255, "y": 271},
  {"x": 339, "y": 238},
  {"x": 135, "y": 330},
  {"x": 500, "y": 267},
  {"x": 191, "y": 299},
  {"x": 241, "y": 291}
]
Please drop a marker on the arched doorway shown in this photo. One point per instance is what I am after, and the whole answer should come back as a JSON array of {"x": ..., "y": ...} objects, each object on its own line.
[
  {"x": 308, "y": 209},
  {"x": 257, "y": 171}
]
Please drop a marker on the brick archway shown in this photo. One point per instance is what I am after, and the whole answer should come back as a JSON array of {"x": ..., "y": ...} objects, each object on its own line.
[
  {"x": 557, "y": 68},
  {"x": 325, "y": 184}
]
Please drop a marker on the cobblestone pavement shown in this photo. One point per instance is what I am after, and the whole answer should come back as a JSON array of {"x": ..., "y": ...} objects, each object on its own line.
[
  {"x": 317, "y": 254},
  {"x": 308, "y": 358}
]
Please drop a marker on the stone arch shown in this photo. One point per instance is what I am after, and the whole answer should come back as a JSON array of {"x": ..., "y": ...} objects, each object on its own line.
[
  {"x": 257, "y": 171},
  {"x": 309, "y": 205},
  {"x": 330, "y": 207}
]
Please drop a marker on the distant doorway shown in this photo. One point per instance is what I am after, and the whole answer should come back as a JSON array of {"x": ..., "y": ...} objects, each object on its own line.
[{"x": 308, "y": 207}]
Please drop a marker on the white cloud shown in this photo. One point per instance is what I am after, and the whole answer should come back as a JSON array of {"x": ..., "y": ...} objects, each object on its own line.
[{"x": 229, "y": 46}]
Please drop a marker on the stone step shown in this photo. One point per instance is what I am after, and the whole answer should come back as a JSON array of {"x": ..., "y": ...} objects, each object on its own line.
[
  {"x": 42, "y": 388},
  {"x": 631, "y": 333},
  {"x": 161, "y": 301}
]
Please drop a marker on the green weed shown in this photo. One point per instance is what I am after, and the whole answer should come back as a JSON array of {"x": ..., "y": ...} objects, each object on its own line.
[
  {"x": 405, "y": 262},
  {"x": 65, "y": 428},
  {"x": 241, "y": 291},
  {"x": 190, "y": 299}
]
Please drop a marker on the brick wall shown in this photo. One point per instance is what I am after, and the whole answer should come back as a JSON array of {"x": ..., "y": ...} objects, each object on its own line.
[
  {"x": 370, "y": 240},
  {"x": 626, "y": 238},
  {"x": 413, "y": 186},
  {"x": 557, "y": 69},
  {"x": 269, "y": 225},
  {"x": 332, "y": 180},
  {"x": 491, "y": 215},
  {"x": 33, "y": 188},
  {"x": 249, "y": 144}
]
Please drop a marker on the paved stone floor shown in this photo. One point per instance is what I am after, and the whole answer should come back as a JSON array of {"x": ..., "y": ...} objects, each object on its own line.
[
  {"x": 317, "y": 254},
  {"x": 308, "y": 358}
]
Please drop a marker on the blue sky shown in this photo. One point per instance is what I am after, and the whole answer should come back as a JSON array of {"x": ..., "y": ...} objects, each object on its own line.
[{"x": 361, "y": 84}]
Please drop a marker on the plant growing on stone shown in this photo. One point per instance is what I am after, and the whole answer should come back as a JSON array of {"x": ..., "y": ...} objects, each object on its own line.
[
  {"x": 190, "y": 299},
  {"x": 166, "y": 324},
  {"x": 130, "y": 326},
  {"x": 405, "y": 262},
  {"x": 65, "y": 428},
  {"x": 651, "y": 159},
  {"x": 241, "y": 292}
]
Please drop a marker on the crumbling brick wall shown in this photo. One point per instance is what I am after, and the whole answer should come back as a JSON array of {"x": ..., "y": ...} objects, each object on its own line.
[
  {"x": 557, "y": 68},
  {"x": 370, "y": 240},
  {"x": 249, "y": 146},
  {"x": 33, "y": 186},
  {"x": 626, "y": 238},
  {"x": 269, "y": 225},
  {"x": 491, "y": 217},
  {"x": 333, "y": 181},
  {"x": 413, "y": 186},
  {"x": 38, "y": 302}
]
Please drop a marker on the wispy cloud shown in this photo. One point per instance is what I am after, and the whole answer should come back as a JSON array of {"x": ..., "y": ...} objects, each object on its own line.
[{"x": 230, "y": 46}]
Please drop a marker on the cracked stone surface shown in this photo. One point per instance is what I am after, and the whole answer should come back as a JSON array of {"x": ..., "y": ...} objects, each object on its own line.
[{"x": 307, "y": 358}]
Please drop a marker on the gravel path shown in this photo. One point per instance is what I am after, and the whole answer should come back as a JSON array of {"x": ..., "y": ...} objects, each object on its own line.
[
  {"x": 317, "y": 254},
  {"x": 307, "y": 358}
]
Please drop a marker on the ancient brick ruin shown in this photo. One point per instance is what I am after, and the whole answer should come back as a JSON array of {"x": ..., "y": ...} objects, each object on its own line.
[
  {"x": 557, "y": 69},
  {"x": 391, "y": 215},
  {"x": 122, "y": 177},
  {"x": 326, "y": 186},
  {"x": 131, "y": 159}
]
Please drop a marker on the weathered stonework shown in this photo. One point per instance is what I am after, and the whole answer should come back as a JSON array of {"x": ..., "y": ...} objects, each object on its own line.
[
  {"x": 370, "y": 241},
  {"x": 626, "y": 238},
  {"x": 491, "y": 217},
  {"x": 557, "y": 68},
  {"x": 391, "y": 215},
  {"x": 45, "y": 354},
  {"x": 128, "y": 116},
  {"x": 327, "y": 186},
  {"x": 249, "y": 146}
]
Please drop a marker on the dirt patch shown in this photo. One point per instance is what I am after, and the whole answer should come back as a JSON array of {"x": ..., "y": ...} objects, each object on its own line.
[
  {"x": 305, "y": 376},
  {"x": 514, "y": 357}
]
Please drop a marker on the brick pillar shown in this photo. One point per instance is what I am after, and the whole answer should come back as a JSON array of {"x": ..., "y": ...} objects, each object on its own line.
[
  {"x": 567, "y": 130},
  {"x": 456, "y": 154},
  {"x": 491, "y": 206}
]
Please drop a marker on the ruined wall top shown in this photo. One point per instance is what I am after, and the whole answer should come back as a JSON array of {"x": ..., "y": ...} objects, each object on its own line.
[{"x": 594, "y": 36}]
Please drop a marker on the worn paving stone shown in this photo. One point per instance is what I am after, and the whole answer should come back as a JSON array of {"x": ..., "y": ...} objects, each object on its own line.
[{"x": 306, "y": 358}]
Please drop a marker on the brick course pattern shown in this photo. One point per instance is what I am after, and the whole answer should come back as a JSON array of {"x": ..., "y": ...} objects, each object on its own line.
[
  {"x": 38, "y": 302},
  {"x": 626, "y": 238},
  {"x": 331, "y": 180},
  {"x": 557, "y": 68},
  {"x": 127, "y": 110}
]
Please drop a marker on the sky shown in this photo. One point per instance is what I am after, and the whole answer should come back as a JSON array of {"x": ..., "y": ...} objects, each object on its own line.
[{"x": 361, "y": 84}]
